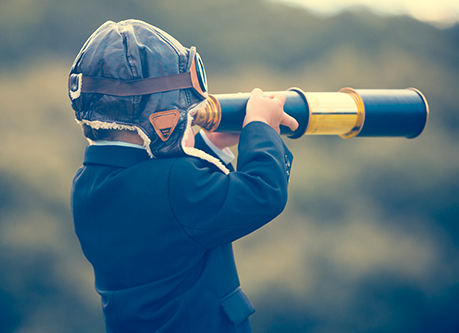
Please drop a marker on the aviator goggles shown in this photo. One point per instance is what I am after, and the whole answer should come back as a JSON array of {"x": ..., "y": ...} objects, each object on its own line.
[{"x": 194, "y": 78}]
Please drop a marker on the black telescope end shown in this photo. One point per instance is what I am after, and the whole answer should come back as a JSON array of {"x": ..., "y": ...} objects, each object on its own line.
[{"x": 393, "y": 112}]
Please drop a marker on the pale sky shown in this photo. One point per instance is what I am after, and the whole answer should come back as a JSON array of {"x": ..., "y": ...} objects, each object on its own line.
[{"x": 437, "y": 11}]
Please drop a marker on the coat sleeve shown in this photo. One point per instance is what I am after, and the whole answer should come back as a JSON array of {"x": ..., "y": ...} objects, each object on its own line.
[{"x": 216, "y": 209}]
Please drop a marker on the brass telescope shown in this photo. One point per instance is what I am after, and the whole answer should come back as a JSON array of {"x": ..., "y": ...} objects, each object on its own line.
[{"x": 347, "y": 113}]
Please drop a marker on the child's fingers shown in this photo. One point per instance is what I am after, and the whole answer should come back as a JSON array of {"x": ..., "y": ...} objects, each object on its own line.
[
  {"x": 280, "y": 97},
  {"x": 289, "y": 121},
  {"x": 257, "y": 92}
]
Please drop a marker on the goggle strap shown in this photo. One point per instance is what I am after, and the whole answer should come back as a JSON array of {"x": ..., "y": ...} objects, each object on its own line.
[
  {"x": 78, "y": 83},
  {"x": 132, "y": 87}
]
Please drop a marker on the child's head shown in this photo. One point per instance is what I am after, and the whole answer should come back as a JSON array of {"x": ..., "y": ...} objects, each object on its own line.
[{"x": 131, "y": 76}]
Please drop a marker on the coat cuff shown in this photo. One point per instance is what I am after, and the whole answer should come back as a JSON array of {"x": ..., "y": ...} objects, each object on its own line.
[{"x": 237, "y": 306}]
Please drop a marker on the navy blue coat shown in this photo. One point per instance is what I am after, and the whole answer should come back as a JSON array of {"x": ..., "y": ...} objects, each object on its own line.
[{"x": 158, "y": 232}]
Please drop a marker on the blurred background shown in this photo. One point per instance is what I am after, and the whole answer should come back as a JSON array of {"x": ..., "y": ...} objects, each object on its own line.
[{"x": 369, "y": 241}]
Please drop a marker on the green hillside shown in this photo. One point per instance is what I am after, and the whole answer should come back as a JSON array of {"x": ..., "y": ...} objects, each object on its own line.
[{"x": 370, "y": 238}]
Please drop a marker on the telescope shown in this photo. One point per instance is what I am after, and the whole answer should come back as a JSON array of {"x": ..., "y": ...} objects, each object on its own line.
[{"x": 348, "y": 113}]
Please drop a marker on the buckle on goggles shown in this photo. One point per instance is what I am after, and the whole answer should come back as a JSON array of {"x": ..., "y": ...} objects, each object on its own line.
[{"x": 194, "y": 78}]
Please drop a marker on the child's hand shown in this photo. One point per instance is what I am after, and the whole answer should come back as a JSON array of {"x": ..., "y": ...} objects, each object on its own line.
[{"x": 269, "y": 110}]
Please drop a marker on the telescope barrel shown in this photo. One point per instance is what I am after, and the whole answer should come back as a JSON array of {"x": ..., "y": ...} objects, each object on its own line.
[{"x": 347, "y": 113}]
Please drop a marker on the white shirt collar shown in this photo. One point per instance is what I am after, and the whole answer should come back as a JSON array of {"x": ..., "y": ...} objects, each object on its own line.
[{"x": 117, "y": 143}]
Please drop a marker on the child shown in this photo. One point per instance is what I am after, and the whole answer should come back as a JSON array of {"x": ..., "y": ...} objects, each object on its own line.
[{"x": 156, "y": 208}]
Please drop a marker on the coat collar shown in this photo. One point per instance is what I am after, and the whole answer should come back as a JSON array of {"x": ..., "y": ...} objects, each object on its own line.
[{"x": 117, "y": 156}]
